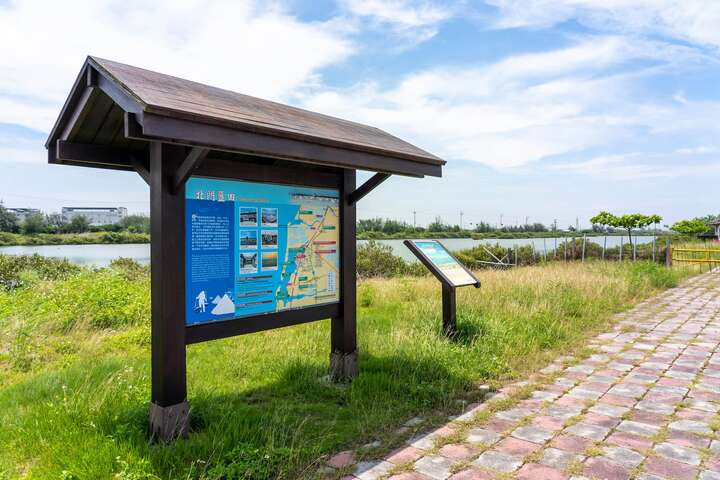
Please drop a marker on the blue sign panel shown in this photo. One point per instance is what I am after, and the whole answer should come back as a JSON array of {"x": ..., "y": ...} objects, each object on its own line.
[
  {"x": 436, "y": 253},
  {"x": 253, "y": 248}
]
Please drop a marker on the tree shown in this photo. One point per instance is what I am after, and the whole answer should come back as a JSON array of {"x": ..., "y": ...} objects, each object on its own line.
[
  {"x": 78, "y": 224},
  {"x": 438, "y": 226},
  {"x": 33, "y": 223},
  {"x": 8, "y": 220},
  {"x": 54, "y": 223},
  {"x": 628, "y": 222},
  {"x": 135, "y": 223},
  {"x": 690, "y": 227}
]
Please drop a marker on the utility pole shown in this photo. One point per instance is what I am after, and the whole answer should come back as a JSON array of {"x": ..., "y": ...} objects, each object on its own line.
[
  {"x": 414, "y": 219},
  {"x": 555, "y": 224},
  {"x": 501, "y": 215},
  {"x": 527, "y": 219},
  {"x": 461, "y": 222},
  {"x": 577, "y": 224}
]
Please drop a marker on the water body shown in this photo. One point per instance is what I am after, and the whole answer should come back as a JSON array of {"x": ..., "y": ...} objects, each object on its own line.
[{"x": 102, "y": 255}]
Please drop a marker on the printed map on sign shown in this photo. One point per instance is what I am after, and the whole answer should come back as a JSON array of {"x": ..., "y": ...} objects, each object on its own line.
[
  {"x": 254, "y": 248},
  {"x": 436, "y": 253}
]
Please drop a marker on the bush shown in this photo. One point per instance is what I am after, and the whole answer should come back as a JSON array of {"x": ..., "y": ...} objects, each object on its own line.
[
  {"x": 377, "y": 260},
  {"x": 45, "y": 268}
]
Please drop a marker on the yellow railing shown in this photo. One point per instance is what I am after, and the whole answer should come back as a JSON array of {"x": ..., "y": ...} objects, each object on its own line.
[{"x": 701, "y": 256}]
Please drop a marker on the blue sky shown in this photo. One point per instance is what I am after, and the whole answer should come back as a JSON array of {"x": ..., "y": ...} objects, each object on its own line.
[{"x": 546, "y": 109}]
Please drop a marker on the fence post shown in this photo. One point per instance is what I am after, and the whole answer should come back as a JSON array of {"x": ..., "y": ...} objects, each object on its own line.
[
  {"x": 544, "y": 250},
  {"x": 532, "y": 250},
  {"x": 634, "y": 247},
  {"x": 574, "y": 248},
  {"x": 654, "y": 246},
  {"x": 668, "y": 253},
  {"x": 565, "y": 248},
  {"x": 516, "y": 254},
  {"x": 622, "y": 245},
  {"x": 555, "y": 249},
  {"x": 583, "y": 248},
  {"x": 604, "y": 247}
]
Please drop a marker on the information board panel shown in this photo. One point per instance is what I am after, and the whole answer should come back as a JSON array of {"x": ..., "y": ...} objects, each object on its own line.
[
  {"x": 435, "y": 256},
  {"x": 254, "y": 248}
]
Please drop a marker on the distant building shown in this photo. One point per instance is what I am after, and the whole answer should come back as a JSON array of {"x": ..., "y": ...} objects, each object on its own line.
[
  {"x": 95, "y": 215},
  {"x": 22, "y": 213}
]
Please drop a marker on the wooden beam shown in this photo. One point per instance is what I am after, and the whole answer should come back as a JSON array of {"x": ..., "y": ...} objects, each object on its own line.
[
  {"x": 133, "y": 127},
  {"x": 343, "y": 327},
  {"x": 367, "y": 187},
  {"x": 81, "y": 110},
  {"x": 168, "y": 410},
  {"x": 119, "y": 94},
  {"x": 97, "y": 155},
  {"x": 141, "y": 168},
  {"x": 185, "y": 132},
  {"x": 188, "y": 166}
]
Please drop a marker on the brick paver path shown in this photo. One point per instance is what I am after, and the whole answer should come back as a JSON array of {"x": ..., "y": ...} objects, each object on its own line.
[{"x": 644, "y": 406}]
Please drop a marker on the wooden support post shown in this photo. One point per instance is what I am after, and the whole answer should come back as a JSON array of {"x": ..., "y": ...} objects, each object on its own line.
[
  {"x": 343, "y": 330},
  {"x": 169, "y": 408},
  {"x": 583, "y": 247},
  {"x": 668, "y": 253},
  {"x": 604, "y": 247},
  {"x": 448, "y": 310}
]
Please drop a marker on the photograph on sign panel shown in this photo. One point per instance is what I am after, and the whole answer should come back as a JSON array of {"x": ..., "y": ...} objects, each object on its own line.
[
  {"x": 269, "y": 261},
  {"x": 248, "y": 239},
  {"x": 269, "y": 217},
  {"x": 248, "y": 217},
  {"x": 269, "y": 239},
  {"x": 249, "y": 262}
]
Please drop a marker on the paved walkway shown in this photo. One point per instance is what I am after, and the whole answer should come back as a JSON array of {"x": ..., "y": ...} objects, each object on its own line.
[{"x": 644, "y": 406}]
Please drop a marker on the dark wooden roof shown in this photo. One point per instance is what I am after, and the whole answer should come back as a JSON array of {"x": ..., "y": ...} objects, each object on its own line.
[{"x": 117, "y": 108}]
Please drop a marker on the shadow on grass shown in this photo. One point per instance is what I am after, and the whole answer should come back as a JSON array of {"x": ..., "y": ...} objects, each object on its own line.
[
  {"x": 284, "y": 429},
  {"x": 466, "y": 333}
]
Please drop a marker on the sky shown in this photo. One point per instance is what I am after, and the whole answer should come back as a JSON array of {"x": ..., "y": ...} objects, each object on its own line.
[{"x": 544, "y": 109}]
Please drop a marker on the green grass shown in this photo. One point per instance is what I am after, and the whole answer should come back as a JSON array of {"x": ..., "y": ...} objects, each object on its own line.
[{"x": 74, "y": 369}]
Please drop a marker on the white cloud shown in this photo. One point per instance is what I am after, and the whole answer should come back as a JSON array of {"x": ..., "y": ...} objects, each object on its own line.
[
  {"x": 413, "y": 20},
  {"x": 247, "y": 46},
  {"x": 695, "y": 21},
  {"x": 638, "y": 165},
  {"x": 699, "y": 150},
  {"x": 527, "y": 107}
]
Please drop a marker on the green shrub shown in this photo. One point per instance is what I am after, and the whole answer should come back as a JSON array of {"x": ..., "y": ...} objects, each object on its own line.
[
  {"x": 44, "y": 268},
  {"x": 377, "y": 260},
  {"x": 643, "y": 274}
]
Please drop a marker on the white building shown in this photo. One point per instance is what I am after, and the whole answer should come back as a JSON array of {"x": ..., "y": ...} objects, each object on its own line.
[
  {"x": 95, "y": 215},
  {"x": 22, "y": 213}
]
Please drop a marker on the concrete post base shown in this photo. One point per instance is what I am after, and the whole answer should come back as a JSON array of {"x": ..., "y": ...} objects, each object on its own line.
[
  {"x": 343, "y": 367},
  {"x": 169, "y": 423}
]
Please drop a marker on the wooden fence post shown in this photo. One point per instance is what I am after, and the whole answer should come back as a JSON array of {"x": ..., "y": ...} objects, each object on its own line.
[
  {"x": 583, "y": 248},
  {"x": 668, "y": 253}
]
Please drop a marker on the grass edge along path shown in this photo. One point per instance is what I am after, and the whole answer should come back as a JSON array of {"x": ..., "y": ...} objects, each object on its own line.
[{"x": 261, "y": 407}]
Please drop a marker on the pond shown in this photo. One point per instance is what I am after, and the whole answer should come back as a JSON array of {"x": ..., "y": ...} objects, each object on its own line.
[{"x": 102, "y": 255}]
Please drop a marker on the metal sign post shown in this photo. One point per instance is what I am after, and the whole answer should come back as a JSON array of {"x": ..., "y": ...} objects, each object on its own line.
[{"x": 451, "y": 273}]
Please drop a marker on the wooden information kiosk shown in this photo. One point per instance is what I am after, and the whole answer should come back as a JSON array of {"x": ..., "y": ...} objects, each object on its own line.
[{"x": 249, "y": 200}]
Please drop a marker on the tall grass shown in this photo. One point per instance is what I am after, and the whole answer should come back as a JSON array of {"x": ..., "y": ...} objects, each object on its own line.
[{"x": 75, "y": 379}]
